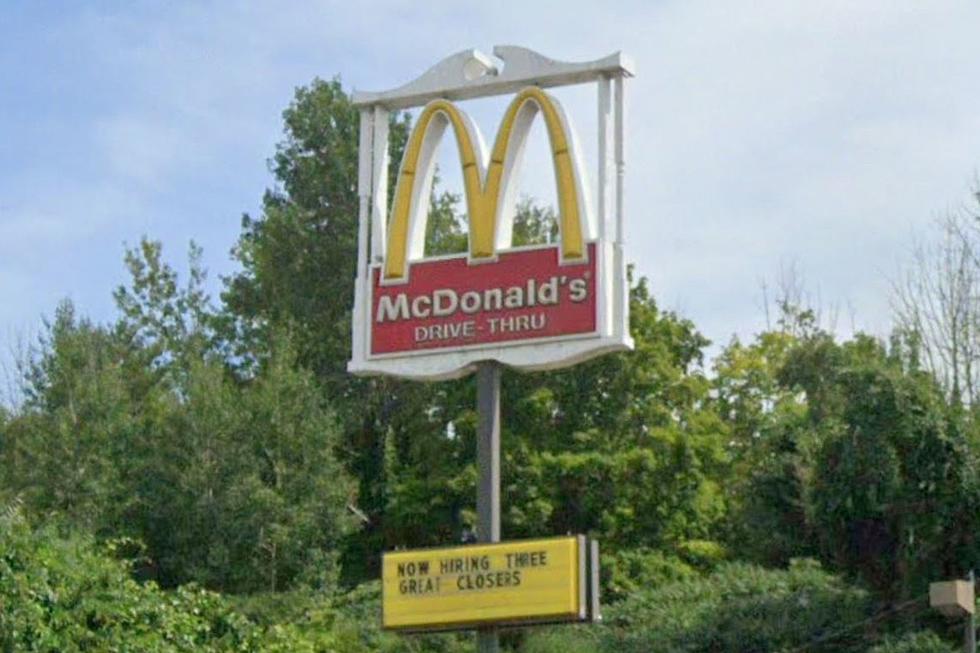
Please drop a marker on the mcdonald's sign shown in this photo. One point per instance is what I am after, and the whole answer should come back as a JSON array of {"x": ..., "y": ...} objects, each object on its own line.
[{"x": 532, "y": 307}]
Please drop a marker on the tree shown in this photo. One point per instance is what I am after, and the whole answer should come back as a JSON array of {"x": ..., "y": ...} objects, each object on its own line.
[
  {"x": 247, "y": 467},
  {"x": 766, "y": 522},
  {"x": 891, "y": 466},
  {"x": 298, "y": 258},
  {"x": 935, "y": 301},
  {"x": 583, "y": 448},
  {"x": 141, "y": 430},
  {"x": 63, "y": 447},
  {"x": 171, "y": 325},
  {"x": 621, "y": 447},
  {"x": 298, "y": 266},
  {"x": 249, "y": 474}
]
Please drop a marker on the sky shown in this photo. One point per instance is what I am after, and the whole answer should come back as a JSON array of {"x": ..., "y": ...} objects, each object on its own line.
[{"x": 764, "y": 136}]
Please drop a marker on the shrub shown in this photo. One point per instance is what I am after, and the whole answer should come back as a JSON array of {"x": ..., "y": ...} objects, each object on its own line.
[
  {"x": 923, "y": 641},
  {"x": 634, "y": 570},
  {"x": 64, "y": 593}
]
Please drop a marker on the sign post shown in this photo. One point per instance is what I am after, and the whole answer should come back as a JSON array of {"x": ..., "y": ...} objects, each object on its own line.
[
  {"x": 529, "y": 307},
  {"x": 488, "y": 463}
]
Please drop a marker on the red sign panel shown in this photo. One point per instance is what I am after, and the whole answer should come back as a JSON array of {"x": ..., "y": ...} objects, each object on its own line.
[{"x": 450, "y": 303}]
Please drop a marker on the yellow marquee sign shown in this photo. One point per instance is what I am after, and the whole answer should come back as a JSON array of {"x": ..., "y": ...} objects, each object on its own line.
[{"x": 529, "y": 581}]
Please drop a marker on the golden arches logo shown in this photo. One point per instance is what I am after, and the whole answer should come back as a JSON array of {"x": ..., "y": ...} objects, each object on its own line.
[{"x": 488, "y": 192}]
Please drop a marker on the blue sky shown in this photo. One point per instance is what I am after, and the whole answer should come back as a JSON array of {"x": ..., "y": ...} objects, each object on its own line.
[{"x": 763, "y": 134}]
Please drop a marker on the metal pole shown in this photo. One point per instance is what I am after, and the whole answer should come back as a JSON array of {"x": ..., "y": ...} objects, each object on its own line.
[
  {"x": 488, "y": 463},
  {"x": 970, "y": 641}
]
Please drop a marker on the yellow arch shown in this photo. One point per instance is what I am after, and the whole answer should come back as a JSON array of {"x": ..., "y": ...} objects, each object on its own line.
[{"x": 483, "y": 195}]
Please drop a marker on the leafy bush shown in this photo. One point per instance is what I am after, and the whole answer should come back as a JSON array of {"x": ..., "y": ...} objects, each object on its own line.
[
  {"x": 702, "y": 554},
  {"x": 346, "y": 623},
  {"x": 562, "y": 639},
  {"x": 917, "y": 642},
  {"x": 740, "y": 608},
  {"x": 61, "y": 593},
  {"x": 633, "y": 570}
]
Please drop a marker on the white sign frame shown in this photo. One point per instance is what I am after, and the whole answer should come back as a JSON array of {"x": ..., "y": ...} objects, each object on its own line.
[{"x": 471, "y": 74}]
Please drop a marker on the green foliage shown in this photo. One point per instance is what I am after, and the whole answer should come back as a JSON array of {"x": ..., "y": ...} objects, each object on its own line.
[
  {"x": 747, "y": 388},
  {"x": 915, "y": 642},
  {"x": 766, "y": 519},
  {"x": 739, "y": 608},
  {"x": 169, "y": 324},
  {"x": 629, "y": 571},
  {"x": 887, "y": 463},
  {"x": 344, "y": 623},
  {"x": 248, "y": 474},
  {"x": 619, "y": 447},
  {"x": 298, "y": 257},
  {"x": 141, "y": 431},
  {"x": 444, "y": 229},
  {"x": 847, "y": 451},
  {"x": 566, "y": 639},
  {"x": 623, "y": 446},
  {"x": 229, "y": 447},
  {"x": 704, "y": 555},
  {"x": 61, "y": 594},
  {"x": 534, "y": 224},
  {"x": 58, "y": 451}
]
